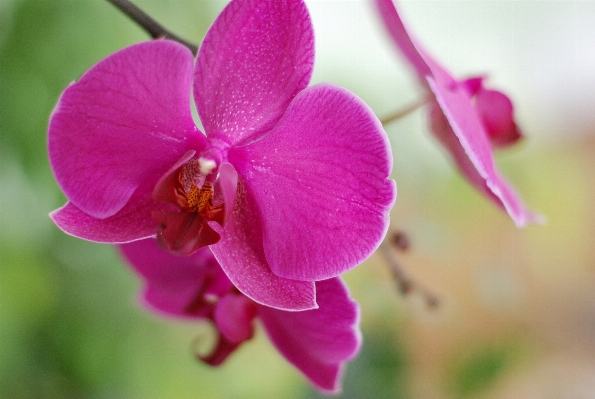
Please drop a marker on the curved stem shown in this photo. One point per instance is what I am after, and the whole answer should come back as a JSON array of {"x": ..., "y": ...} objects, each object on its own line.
[
  {"x": 152, "y": 27},
  {"x": 405, "y": 111}
]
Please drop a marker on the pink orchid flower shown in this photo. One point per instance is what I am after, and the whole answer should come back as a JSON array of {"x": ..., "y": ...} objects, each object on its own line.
[
  {"x": 467, "y": 119},
  {"x": 318, "y": 342},
  {"x": 288, "y": 185}
]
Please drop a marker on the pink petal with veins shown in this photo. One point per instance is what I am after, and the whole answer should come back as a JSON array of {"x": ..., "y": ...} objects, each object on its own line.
[
  {"x": 133, "y": 222},
  {"x": 241, "y": 255},
  {"x": 254, "y": 59},
  {"x": 126, "y": 119},
  {"x": 318, "y": 342},
  {"x": 320, "y": 181}
]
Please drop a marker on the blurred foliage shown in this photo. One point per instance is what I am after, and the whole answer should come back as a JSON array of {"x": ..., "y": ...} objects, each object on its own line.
[
  {"x": 479, "y": 369},
  {"x": 479, "y": 372}
]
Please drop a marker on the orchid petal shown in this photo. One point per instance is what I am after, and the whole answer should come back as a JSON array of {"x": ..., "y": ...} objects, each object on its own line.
[
  {"x": 318, "y": 342},
  {"x": 465, "y": 138},
  {"x": 127, "y": 118},
  {"x": 241, "y": 255},
  {"x": 175, "y": 285},
  {"x": 125, "y": 226},
  {"x": 165, "y": 188},
  {"x": 401, "y": 36},
  {"x": 497, "y": 115},
  {"x": 183, "y": 233},
  {"x": 254, "y": 59},
  {"x": 234, "y": 314},
  {"x": 320, "y": 180},
  {"x": 133, "y": 222},
  {"x": 473, "y": 85},
  {"x": 227, "y": 183}
]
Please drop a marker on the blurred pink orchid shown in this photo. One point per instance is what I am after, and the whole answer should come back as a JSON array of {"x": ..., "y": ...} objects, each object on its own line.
[
  {"x": 467, "y": 119},
  {"x": 318, "y": 342},
  {"x": 288, "y": 186}
]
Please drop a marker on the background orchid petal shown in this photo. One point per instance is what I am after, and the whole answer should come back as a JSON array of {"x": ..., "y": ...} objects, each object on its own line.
[
  {"x": 318, "y": 342},
  {"x": 403, "y": 39},
  {"x": 127, "y": 118},
  {"x": 171, "y": 282},
  {"x": 255, "y": 58},
  {"x": 234, "y": 314},
  {"x": 497, "y": 115},
  {"x": 133, "y": 222},
  {"x": 320, "y": 180},
  {"x": 465, "y": 119},
  {"x": 473, "y": 85},
  {"x": 472, "y": 143},
  {"x": 444, "y": 133},
  {"x": 241, "y": 256},
  {"x": 512, "y": 203},
  {"x": 223, "y": 348}
]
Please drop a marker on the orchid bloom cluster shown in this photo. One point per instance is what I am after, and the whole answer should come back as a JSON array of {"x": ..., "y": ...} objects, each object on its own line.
[
  {"x": 286, "y": 189},
  {"x": 468, "y": 119}
]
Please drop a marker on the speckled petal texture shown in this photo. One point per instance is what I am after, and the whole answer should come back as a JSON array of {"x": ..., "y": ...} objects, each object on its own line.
[
  {"x": 255, "y": 58},
  {"x": 320, "y": 180},
  {"x": 242, "y": 257}
]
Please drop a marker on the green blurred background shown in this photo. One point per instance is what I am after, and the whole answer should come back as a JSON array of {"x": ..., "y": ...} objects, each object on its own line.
[{"x": 517, "y": 307}]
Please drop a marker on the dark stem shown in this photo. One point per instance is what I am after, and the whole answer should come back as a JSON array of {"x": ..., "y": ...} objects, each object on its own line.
[
  {"x": 404, "y": 112},
  {"x": 152, "y": 27},
  {"x": 405, "y": 283}
]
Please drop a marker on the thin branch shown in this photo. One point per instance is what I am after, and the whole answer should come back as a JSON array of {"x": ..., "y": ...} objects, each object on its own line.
[
  {"x": 153, "y": 28},
  {"x": 405, "y": 283},
  {"x": 404, "y": 112}
]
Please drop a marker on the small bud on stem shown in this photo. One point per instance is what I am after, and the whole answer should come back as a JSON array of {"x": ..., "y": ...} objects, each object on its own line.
[
  {"x": 405, "y": 284},
  {"x": 400, "y": 241}
]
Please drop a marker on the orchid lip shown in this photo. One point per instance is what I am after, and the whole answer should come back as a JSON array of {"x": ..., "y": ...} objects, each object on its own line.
[{"x": 191, "y": 185}]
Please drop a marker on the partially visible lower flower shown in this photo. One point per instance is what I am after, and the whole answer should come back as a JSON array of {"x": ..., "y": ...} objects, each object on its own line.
[
  {"x": 318, "y": 342},
  {"x": 467, "y": 119}
]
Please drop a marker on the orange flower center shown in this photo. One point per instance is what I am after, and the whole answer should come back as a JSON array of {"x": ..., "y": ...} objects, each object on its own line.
[{"x": 200, "y": 200}]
